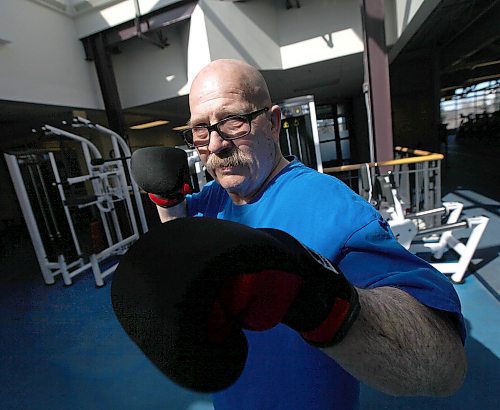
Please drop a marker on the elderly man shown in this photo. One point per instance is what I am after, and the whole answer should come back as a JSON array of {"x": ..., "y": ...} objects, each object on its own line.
[{"x": 406, "y": 337}]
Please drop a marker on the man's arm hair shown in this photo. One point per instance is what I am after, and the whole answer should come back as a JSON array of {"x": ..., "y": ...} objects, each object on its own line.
[{"x": 401, "y": 347}]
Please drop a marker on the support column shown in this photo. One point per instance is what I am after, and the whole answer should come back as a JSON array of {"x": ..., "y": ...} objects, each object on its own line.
[
  {"x": 107, "y": 83},
  {"x": 377, "y": 86}
]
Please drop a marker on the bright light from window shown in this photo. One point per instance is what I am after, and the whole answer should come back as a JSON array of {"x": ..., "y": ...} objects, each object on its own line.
[{"x": 118, "y": 13}]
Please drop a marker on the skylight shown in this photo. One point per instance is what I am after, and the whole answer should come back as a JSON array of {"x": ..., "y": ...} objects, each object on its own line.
[{"x": 75, "y": 7}]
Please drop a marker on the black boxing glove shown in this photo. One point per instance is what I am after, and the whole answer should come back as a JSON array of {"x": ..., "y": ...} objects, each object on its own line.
[
  {"x": 163, "y": 172},
  {"x": 185, "y": 302}
]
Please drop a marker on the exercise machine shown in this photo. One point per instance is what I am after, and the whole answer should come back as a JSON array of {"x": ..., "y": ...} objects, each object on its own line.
[
  {"x": 53, "y": 202},
  {"x": 408, "y": 195},
  {"x": 411, "y": 231},
  {"x": 299, "y": 131}
]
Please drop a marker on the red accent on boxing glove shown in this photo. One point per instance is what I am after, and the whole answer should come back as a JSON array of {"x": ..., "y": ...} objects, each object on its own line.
[
  {"x": 165, "y": 202},
  {"x": 186, "y": 189},
  {"x": 174, "y": 199},
  {"x": 255, "y": 301}
]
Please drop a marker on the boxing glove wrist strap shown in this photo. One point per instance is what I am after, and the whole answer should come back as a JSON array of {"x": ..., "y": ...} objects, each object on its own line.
[{"x": 334, "y": 328}]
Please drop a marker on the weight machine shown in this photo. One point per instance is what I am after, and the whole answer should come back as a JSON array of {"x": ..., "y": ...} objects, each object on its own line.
[
  {"x": 411, "y": 232},
  {"x": 299, "y": 131},
  {"x": 409, "y": 198},
  {"x": 51, "y": 209}
]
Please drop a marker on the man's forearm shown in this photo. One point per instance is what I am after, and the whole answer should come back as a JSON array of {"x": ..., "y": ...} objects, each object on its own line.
[
  {"x": 174, "y": 212},
  {"x": 401, "y": 347}
]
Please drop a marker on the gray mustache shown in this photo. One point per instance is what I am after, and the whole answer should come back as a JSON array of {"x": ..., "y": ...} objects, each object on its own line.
[{"x": 232, "y": 159}]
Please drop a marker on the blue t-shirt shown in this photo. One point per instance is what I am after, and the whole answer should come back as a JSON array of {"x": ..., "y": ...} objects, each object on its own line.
[{"x": 282, "y": 370}]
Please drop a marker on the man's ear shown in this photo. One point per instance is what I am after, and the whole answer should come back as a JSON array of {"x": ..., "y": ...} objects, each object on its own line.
[{"x": 275, "y": 120}]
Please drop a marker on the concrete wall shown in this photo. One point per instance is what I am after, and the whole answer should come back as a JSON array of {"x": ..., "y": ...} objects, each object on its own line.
[
  {"x": 405, "y": 10},
  {"x": 406, "y": 18},
  {"x": 318, "y": 31},
  {"x": 415, "y": 104},
  {"x": 247, "y": 31},
  {"x": 260, "y": 32},
  {"x": 415, "y": 90},
  {"x": 361, "y": 147},
  {"x": 45, "y": 62},
  {"x": 267, "y": 35},
  {"x": 146, "y": 73}
]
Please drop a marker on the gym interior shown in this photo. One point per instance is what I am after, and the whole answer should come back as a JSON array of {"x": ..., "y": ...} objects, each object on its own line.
[{"x": 398, "y": 98}]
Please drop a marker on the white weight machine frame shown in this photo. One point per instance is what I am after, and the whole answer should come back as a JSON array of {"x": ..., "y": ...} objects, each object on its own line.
[
  {"x": 447, "y": 240},
  {"x": 437, "y": 239},
  {"x": 418, "y": 231},
  {"x": 109, "y": 183},
  {"x": 118, "y": 142}
]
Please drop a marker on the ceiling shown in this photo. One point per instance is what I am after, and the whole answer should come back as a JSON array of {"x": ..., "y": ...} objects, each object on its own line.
[{"x": 464, "y": 34}]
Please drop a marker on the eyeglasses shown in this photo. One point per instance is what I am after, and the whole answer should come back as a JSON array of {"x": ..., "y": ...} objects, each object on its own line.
[{"x": 230, "y": 128}]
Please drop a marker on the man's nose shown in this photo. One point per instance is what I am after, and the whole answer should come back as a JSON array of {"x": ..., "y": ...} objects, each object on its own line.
[{"x": 217, "y": 143}]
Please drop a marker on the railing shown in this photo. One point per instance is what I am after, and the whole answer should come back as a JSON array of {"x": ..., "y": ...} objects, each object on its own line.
[{"x": 415, "y": 174}]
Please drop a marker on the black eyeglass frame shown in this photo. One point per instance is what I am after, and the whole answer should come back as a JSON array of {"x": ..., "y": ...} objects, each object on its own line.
[{"x": 188, "y": 134}]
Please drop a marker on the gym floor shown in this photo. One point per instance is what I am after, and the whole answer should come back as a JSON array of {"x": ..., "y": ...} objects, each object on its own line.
[{"x": 63, "y": 349}]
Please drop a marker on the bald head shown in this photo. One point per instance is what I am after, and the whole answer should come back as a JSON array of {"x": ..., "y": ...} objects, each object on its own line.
[
  {"x": 234, "y": 93},
  {"x": 238, "y": 77}
]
